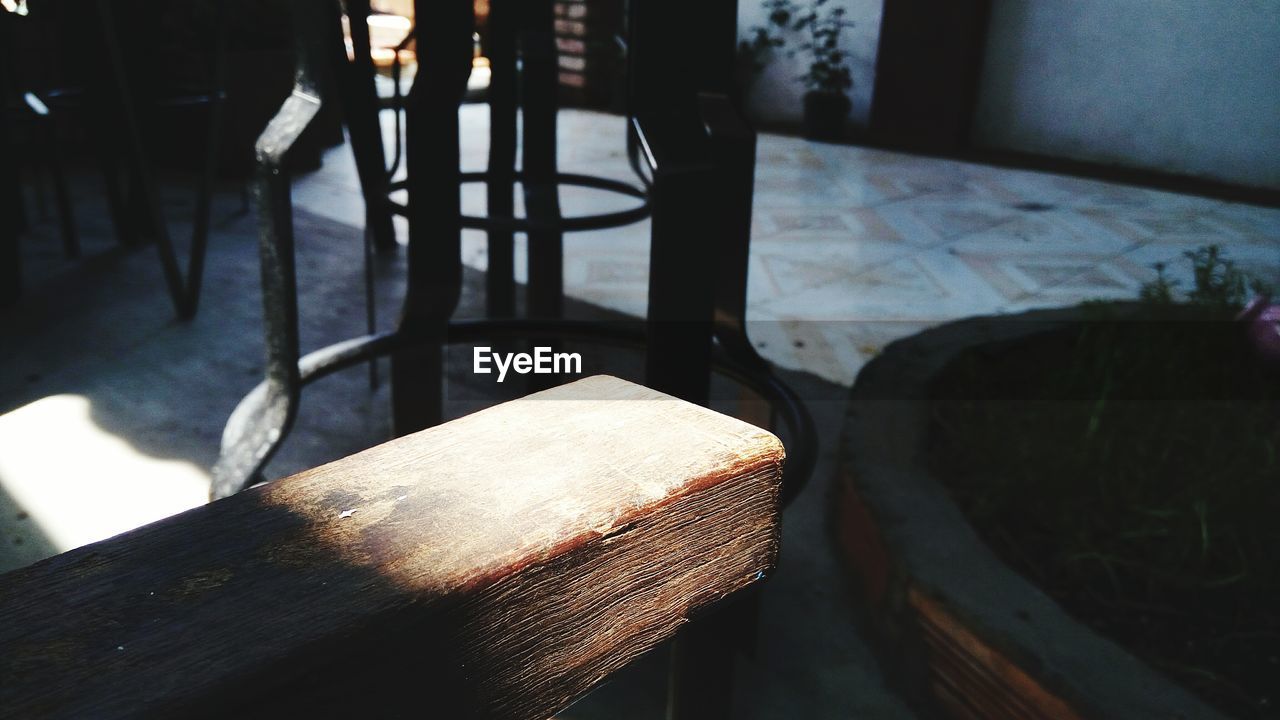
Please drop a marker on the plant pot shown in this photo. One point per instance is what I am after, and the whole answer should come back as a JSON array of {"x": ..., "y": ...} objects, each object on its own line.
[
  {"x": 825, "y": 114},
  {"x": 963, "y": 633}
]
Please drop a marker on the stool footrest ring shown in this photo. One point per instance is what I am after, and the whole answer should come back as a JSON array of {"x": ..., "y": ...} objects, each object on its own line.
[
  {"x": 317, "y": 364},
  {"x": 580, "y": 223}
]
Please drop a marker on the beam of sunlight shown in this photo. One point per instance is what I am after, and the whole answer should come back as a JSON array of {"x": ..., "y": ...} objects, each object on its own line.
[{"x": 81, "y": 484}]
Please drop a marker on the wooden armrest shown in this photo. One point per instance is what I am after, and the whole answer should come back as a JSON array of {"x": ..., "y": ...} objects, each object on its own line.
[{"x": 499, "y": 565}]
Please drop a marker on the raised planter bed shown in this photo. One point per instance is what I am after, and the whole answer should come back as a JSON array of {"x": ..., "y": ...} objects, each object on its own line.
[{"x": 959, "y": 629}]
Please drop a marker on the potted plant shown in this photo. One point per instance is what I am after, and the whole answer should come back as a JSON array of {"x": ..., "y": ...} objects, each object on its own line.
[
  {"x": 1071, "y": 511},
  {"x": 755, "y": 51},
  {"x": 826, "y": 106},
  {"x": 828, "y": 77}
]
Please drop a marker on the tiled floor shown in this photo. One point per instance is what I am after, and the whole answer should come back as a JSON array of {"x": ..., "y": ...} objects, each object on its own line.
[
  {"x": 110, "y": 410},
  {"x": 853, "y": 247}
]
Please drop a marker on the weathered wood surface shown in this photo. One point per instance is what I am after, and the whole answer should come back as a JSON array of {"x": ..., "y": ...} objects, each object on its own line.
[{"x": 495, "y": 566}]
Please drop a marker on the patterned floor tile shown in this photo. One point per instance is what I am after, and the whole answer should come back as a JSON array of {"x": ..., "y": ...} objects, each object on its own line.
[
  {"x": 1156, "y": 225},
  {"x": 854, "y": 247},
  {"x": 771, "y": 223},
  {"x": 924, "y": 286},
  {"x": 926, "y": 221},
  {"x": 1017, "y": 277},
  {"x": 782, "y": 269},
  {"x": 1247, "y": 221},
  {"x": 1052, "y": 231}
]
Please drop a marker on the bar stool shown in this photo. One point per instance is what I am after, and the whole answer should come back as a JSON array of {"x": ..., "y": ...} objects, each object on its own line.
[
  {"x": 694, "y": 157},
  {"x": 108, "y": 102}
]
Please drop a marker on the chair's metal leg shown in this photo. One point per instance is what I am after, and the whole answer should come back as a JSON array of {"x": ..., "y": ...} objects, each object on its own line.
[
  {"x": 204, "y": 195},
  {"x": 144, "y": 197},
  {"x": 10, "y": 200},
  {"x": 702, "y": 660},
  {"x": 667, "y": 67},
  {"x": 434, "y": 282},
  {"x": 37, "y": 185},
  {"x": 143, "y": 189},
  {"x": 370, "y": 301},
  {"x": 361, "y": 112},
  {"x": 10, "y": 257},
  {"x": 360, "y": 108},
  {"x": 61, "y": 196},
  {"x": 733, "y": 151},
  {"x": 681, "y": 301},
  {"x": 688, "y": 205},
  {"x": 110, "y": 167},
  {"x": 251, "y": 438},
  {"x": 538, "y": 92},
  {"x": 500, "y": 299},
  {"x": 539, "y": 86},
  {"x": 682, "y": 260}
]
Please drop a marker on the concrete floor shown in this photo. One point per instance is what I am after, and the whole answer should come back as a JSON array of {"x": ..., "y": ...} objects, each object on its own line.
[{"x": 110, "y": 410}]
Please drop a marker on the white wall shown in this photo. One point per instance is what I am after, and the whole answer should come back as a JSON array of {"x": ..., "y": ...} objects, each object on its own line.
[
  {"x": 776, "y": 95},
  {"x": 1184, "y": 86}
]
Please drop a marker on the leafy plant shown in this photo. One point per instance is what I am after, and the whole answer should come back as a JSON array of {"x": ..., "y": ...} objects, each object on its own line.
[
  {"x": 828, "y": 64},
  {"x": 819, "y": 24},
  {"x": 1219, "y": 284},
  {"x": 1127, "y": 464},
  {"x": 754, "y": 51},
  {"x": 1158, "y": 291}
]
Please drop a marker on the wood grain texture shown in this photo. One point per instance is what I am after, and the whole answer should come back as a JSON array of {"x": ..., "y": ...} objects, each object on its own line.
[{"x": 496, "y": 566}]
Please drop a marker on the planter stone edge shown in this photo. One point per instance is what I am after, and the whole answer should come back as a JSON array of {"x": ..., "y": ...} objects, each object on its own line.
[{"x": 951, "y": 620}]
